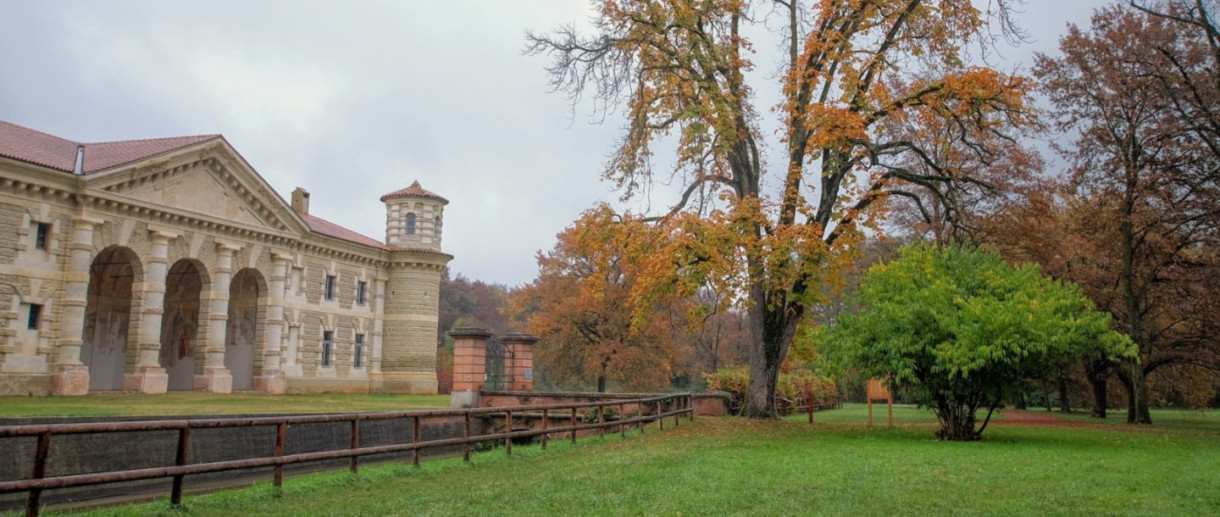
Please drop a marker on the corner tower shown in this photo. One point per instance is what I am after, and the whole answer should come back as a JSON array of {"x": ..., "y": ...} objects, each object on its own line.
[
  {"x": 414, "y": 218},
  {"x": 411, "y": 291}
]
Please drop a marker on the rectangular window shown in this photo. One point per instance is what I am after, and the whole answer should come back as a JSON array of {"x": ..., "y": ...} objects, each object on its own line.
[
  {"x": 362, "y": 288},
  {"x": 41, "y": 235},
  {"x": 35, "y": 313},
  {"x": 328, "y": 338},
  {"x": 358, "y": 361},
  {"x": 330, "y": 287}
]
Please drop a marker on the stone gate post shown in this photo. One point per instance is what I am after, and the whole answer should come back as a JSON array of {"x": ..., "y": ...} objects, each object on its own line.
[
  {"x": 469, "y": 365},
  {"x": 521, "y": 350}
]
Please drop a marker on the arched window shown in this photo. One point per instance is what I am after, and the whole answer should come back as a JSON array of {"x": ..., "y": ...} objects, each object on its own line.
[{"x": 411, "y": 223}]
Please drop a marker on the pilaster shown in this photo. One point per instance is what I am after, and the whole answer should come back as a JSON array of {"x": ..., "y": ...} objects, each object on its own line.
[
  {"x": 272, "y": 378},
  {"x": 71, "y": 376}
]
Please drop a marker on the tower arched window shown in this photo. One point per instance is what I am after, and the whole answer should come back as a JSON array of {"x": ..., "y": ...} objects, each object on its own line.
[{"x": 411, "y": 223}]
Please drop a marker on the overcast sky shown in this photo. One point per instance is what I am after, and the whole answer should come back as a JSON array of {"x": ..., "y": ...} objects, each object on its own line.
[{"x": 354, "y": 99}]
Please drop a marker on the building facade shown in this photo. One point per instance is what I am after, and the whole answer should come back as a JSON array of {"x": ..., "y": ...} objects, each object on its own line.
[{"x": 170, "y": 264}]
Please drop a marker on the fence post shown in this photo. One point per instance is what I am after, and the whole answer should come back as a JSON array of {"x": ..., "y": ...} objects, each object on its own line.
[
  {"x": 660, "y": 416},
  {"x": 281, "y": 436},
  {"x": 622, "y": 414},
  {"x": 678, "y": 414},
  {"x": 690, "y": 404},
  {"x": 545, "y": 424},
  {"x": 416, "y": 430},
  {"x": 601, "y": 421},
  {"x": 466, "y": 434},
  {"x": 809, "y": 401},
  {"x": 184, "y": 443},
  {"x": 355, "y": 441},
  {"x": 573, "y": 425},
  {"x": 508, "y": 433},
  {"x": 40, "y": 471}
]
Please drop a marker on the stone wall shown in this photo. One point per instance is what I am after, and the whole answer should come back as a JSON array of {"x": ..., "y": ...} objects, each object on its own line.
[{"x": 101, "y": 452}]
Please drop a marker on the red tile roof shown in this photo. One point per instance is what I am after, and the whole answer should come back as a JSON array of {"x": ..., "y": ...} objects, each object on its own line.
[
  {"x": 413, "y": 191},
  {"x": 36, "y": 147},
  {"x": 28, "y": 145},
  {"x": 324, "y": 227},
  {"x": 105, "y": 155}
]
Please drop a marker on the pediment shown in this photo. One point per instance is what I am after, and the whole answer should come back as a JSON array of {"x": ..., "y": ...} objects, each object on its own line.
[{"x": 214, "y": 182}]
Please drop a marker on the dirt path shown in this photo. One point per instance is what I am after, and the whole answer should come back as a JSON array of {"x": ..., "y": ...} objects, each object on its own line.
[{"x": 1021, "y": 417}]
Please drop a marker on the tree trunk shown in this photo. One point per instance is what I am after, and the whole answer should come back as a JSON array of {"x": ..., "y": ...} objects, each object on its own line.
[
  {"x": 601, "y": 383},
  {"x": 956, "y": 422},
  {"x": 1097, "y": 372},
  {"x": 1139, "y": 403},
  {"x": 1065, "y": 406},
  {"x": 771, "y": 333}
]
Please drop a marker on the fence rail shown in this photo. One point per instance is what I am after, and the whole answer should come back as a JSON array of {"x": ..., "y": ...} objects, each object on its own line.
[{"x": 650, "y": 409}]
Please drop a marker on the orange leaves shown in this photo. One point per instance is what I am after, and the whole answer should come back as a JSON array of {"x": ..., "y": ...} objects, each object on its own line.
[{"x": 834, "y": 126}]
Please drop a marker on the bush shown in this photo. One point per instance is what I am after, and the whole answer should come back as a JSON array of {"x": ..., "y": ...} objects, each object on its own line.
[{"x": 795, "y": 386}]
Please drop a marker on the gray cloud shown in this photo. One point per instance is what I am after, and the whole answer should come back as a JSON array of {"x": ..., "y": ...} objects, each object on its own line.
[{"x": 351, "y": 101}]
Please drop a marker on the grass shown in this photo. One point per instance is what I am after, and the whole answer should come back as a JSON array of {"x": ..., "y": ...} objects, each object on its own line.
[
  {"x": 1177, "y": 419},
  {"x": 856, "y": 413},
  {"x": 192, "y": 403},
  {"x": 718, "y": 466}
]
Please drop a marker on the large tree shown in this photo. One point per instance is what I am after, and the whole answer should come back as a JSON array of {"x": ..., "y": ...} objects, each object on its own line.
[
  {"x": 579, "y": 305},
  {"x": 1146, "y": 162},
  {"x": 853, "y": 69},
  {"x": 962, "y": 330}
]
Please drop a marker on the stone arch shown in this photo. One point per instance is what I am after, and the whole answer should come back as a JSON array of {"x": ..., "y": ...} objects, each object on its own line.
[
  {"x": 113, "y": 275},
  {"x": 181, "y": 322},
  {"x": 245, "y": 331}
]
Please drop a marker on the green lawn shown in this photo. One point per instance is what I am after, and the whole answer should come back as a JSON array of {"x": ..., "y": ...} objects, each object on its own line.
[
  {"x": 1178, "y": 419},
  {"x": 854, "y": 413},
  {"x": 192, "y": 403},
  {"x": 720, "y": 466}
]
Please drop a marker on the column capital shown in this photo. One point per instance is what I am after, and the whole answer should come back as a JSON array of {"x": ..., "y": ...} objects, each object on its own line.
[
  {"x": 84, "y": 220},
  {"x": 227, "y": 247},
  {"x": 161, "y": 235},
  {"x": 282, "y": 256}
]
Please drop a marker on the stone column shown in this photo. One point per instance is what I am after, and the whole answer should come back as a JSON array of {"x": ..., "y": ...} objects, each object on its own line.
[
  {"x": 71, "y": 376},
  {"x": 272, "y": 379},
  {"x": 469, "y": 365},
  {"x": 520, "y": 348},
  {"x": 216, "y": 377},
  {"x": 149, "y": 375}
]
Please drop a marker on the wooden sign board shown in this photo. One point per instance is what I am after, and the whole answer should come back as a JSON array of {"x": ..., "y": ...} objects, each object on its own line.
[{"x": 876, "y": 390}]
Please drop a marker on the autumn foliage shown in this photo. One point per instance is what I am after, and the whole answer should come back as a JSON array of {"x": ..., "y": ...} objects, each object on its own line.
[{"x": 859, "y": 78}]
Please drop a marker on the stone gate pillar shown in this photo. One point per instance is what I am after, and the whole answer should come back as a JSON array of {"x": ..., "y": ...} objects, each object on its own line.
[
  {"x": 520, "y": 348},
  {"x": 469, "y": 365}
]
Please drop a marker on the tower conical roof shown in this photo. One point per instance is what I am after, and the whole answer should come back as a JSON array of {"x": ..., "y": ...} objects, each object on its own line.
[{"x": 414, "y": 191}]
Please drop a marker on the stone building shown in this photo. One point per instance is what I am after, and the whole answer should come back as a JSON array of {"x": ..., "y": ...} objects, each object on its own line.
[{"x": 170, "y": 264}]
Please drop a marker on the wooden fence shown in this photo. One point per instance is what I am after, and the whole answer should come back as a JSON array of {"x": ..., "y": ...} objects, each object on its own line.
[{"x": 650, "y": 409}]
